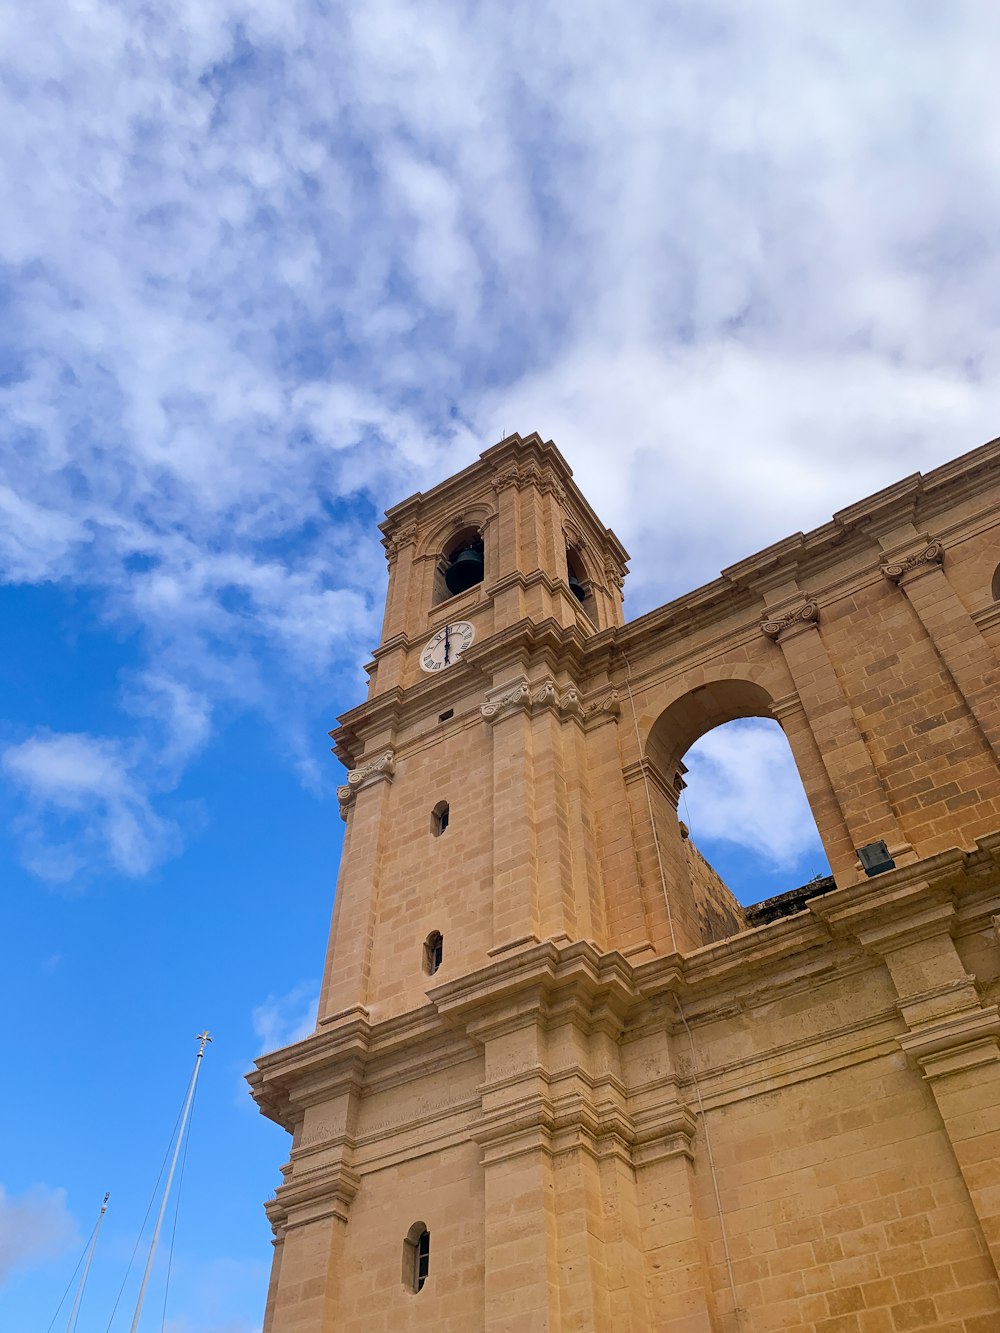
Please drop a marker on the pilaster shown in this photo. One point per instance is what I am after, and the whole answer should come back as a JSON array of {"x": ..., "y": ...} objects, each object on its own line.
[
  {"x": 865, "y": 808},
  {"x": 542, "y": 844},
  {"x": 967, "y": 656},
  {"x": 364, "y": 803},
  {"x": 951, "y": 1037}
]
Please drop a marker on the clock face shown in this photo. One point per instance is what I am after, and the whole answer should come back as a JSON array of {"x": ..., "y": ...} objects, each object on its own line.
[{"x": 447, "y": 646}]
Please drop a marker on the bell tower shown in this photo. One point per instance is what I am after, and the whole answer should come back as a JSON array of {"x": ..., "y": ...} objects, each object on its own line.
[
  {"x": 498, "y": 578},
  {"x": 510, "y": 540}
]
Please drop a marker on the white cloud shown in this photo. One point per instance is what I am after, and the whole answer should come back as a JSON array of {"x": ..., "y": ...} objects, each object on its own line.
[
  {"x": 68, "y": 778},
  {"x": 743, "y": 788},
  {"x": 260, "y": 260},
  {"x": 34, "y": 1226},
  {"x": 281, "y": 1020},
  {"x": 216, "y": 1293}
]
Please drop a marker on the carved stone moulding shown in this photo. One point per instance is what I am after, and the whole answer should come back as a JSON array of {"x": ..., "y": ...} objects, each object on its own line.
[
  {"x": 521, "y": 697},
  {"x": 380, "y": 769},
  {"x": 896, "y": 570},
  {"x": 528, "y": 474},
  {"x": 799, "y": 617},
  {"x": 404, "y": 536}
]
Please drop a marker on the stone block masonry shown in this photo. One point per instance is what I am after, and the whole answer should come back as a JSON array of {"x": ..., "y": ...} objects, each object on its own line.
[{"x": 613, "y": 1098}]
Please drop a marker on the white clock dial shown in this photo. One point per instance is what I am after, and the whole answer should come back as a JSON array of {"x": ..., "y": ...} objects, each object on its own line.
[{"x": 446, "y": 646}]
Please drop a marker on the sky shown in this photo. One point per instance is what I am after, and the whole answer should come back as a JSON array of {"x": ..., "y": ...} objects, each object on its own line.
[{"x": 267, "y": 268}]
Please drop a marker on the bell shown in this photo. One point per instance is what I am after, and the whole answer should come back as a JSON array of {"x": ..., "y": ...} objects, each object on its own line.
[
  {"x": 466, "y": 568},
  {"x": 577, "y": 588}
]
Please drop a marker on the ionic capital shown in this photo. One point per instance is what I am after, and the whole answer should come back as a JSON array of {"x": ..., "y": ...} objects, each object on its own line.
[
  {"x": 897, "y": 570},
  {"x": 521, "y": 697},
  {"x": 379, "y": 770},
  {"x": 799, "y": 618}
]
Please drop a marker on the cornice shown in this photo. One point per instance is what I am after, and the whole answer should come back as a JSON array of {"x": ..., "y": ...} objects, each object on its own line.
[
  {"x": 525, "y": 459},
  {"x": 542, "y": 979},
  {"x": 841, "y": 931},
  {"x": 956, "y": 1043},
  {"x": 801, "y": 556},
  {"x": 988, "y": 618}
]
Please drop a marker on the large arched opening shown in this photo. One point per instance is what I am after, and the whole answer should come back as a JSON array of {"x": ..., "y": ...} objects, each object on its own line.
[
  {"x": 746, "y": 811},
  {"x": 734, "y": 823}
]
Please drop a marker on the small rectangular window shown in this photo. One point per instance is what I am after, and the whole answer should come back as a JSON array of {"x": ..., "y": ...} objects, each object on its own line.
[{"x": 446, "y": 716}]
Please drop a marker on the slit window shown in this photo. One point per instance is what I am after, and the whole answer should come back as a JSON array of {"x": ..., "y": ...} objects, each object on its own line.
[
  {"x": 433, "y": 952},
  {"x": 439, "y": 818},
  {"x": 416, "y": 1257}
]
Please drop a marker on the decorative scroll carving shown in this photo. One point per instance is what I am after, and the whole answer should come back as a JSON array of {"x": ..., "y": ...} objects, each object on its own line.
[
  {"x": 530, "y": 474},
  {"x": 394, "y": 544},
  {"x": 895, "y": 571},
  {"x": 613, "y": 574},
  {"x": 518, "y": 697},
  {"x": 504, "y": 477},
  {"x": 547, "y": 695},
  {"x": 609, "y": 706},
  {"x": 379, "y": 770},
  {"x": 799, "y": 617}
]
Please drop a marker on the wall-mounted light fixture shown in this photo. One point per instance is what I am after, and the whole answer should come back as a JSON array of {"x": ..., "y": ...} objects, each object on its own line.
[{"x": 875, "y": 858}]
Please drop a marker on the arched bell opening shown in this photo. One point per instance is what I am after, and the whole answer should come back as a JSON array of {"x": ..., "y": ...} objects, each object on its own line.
[
  {"x": 733, "y": 819},
  {"x": 579, "y": 584},
  {"x": 462, "y": 565}
]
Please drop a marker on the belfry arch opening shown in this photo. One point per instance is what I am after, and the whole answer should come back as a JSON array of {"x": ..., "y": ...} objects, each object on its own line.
[
  {"x": 732, "y": 814},
  {"x": 462, "y": 564},
  {"x": 579, "y": 584}
]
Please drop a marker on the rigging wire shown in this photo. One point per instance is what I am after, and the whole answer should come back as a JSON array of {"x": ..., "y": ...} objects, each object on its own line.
[
  {"x": 142, "y": 1228},
  {"x": 74, "y": 1314},
  {"x": 177, "y": 1209},
  {"x": 62, "y": 1298}
]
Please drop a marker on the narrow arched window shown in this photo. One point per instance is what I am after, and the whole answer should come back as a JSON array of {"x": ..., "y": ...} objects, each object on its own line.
[
  {"x": 439, "y": 818},
  {"x": 996, "y": 584},
  {"x": 416, "y": 1257},
  {"x": 433, "y": 952}
]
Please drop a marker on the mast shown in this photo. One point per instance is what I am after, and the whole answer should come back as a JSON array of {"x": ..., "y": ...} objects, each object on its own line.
[
  {"x": 203, "y": 1039},
  {"x": 86, "y": 1268}
]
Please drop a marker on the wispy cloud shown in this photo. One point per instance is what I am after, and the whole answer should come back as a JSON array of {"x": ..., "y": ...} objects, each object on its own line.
[
  {"x": 213, "y": 1293},
  {"x": 34, "y": 1226},
  {"x": 266, "y": 268},
  {"x": 282, "y": 1019},
  {"x": 744, "y": 789},
  {"x": 84, "y": 792}
]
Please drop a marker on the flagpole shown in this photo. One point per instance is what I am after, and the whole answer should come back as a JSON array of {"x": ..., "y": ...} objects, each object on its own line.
[
  {"x": 86, "y": 1268},
  {"x": 203, "y": 1039}
]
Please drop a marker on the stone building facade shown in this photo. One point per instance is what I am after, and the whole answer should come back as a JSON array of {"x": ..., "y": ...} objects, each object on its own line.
[{"x": 560, "y": 1079}]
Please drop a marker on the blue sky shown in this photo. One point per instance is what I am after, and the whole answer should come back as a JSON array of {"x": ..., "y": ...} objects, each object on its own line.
[{"x": 267, "y": 268}]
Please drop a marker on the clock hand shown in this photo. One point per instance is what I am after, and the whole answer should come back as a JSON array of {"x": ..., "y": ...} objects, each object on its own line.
[{"x": 447, "y": 647}]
